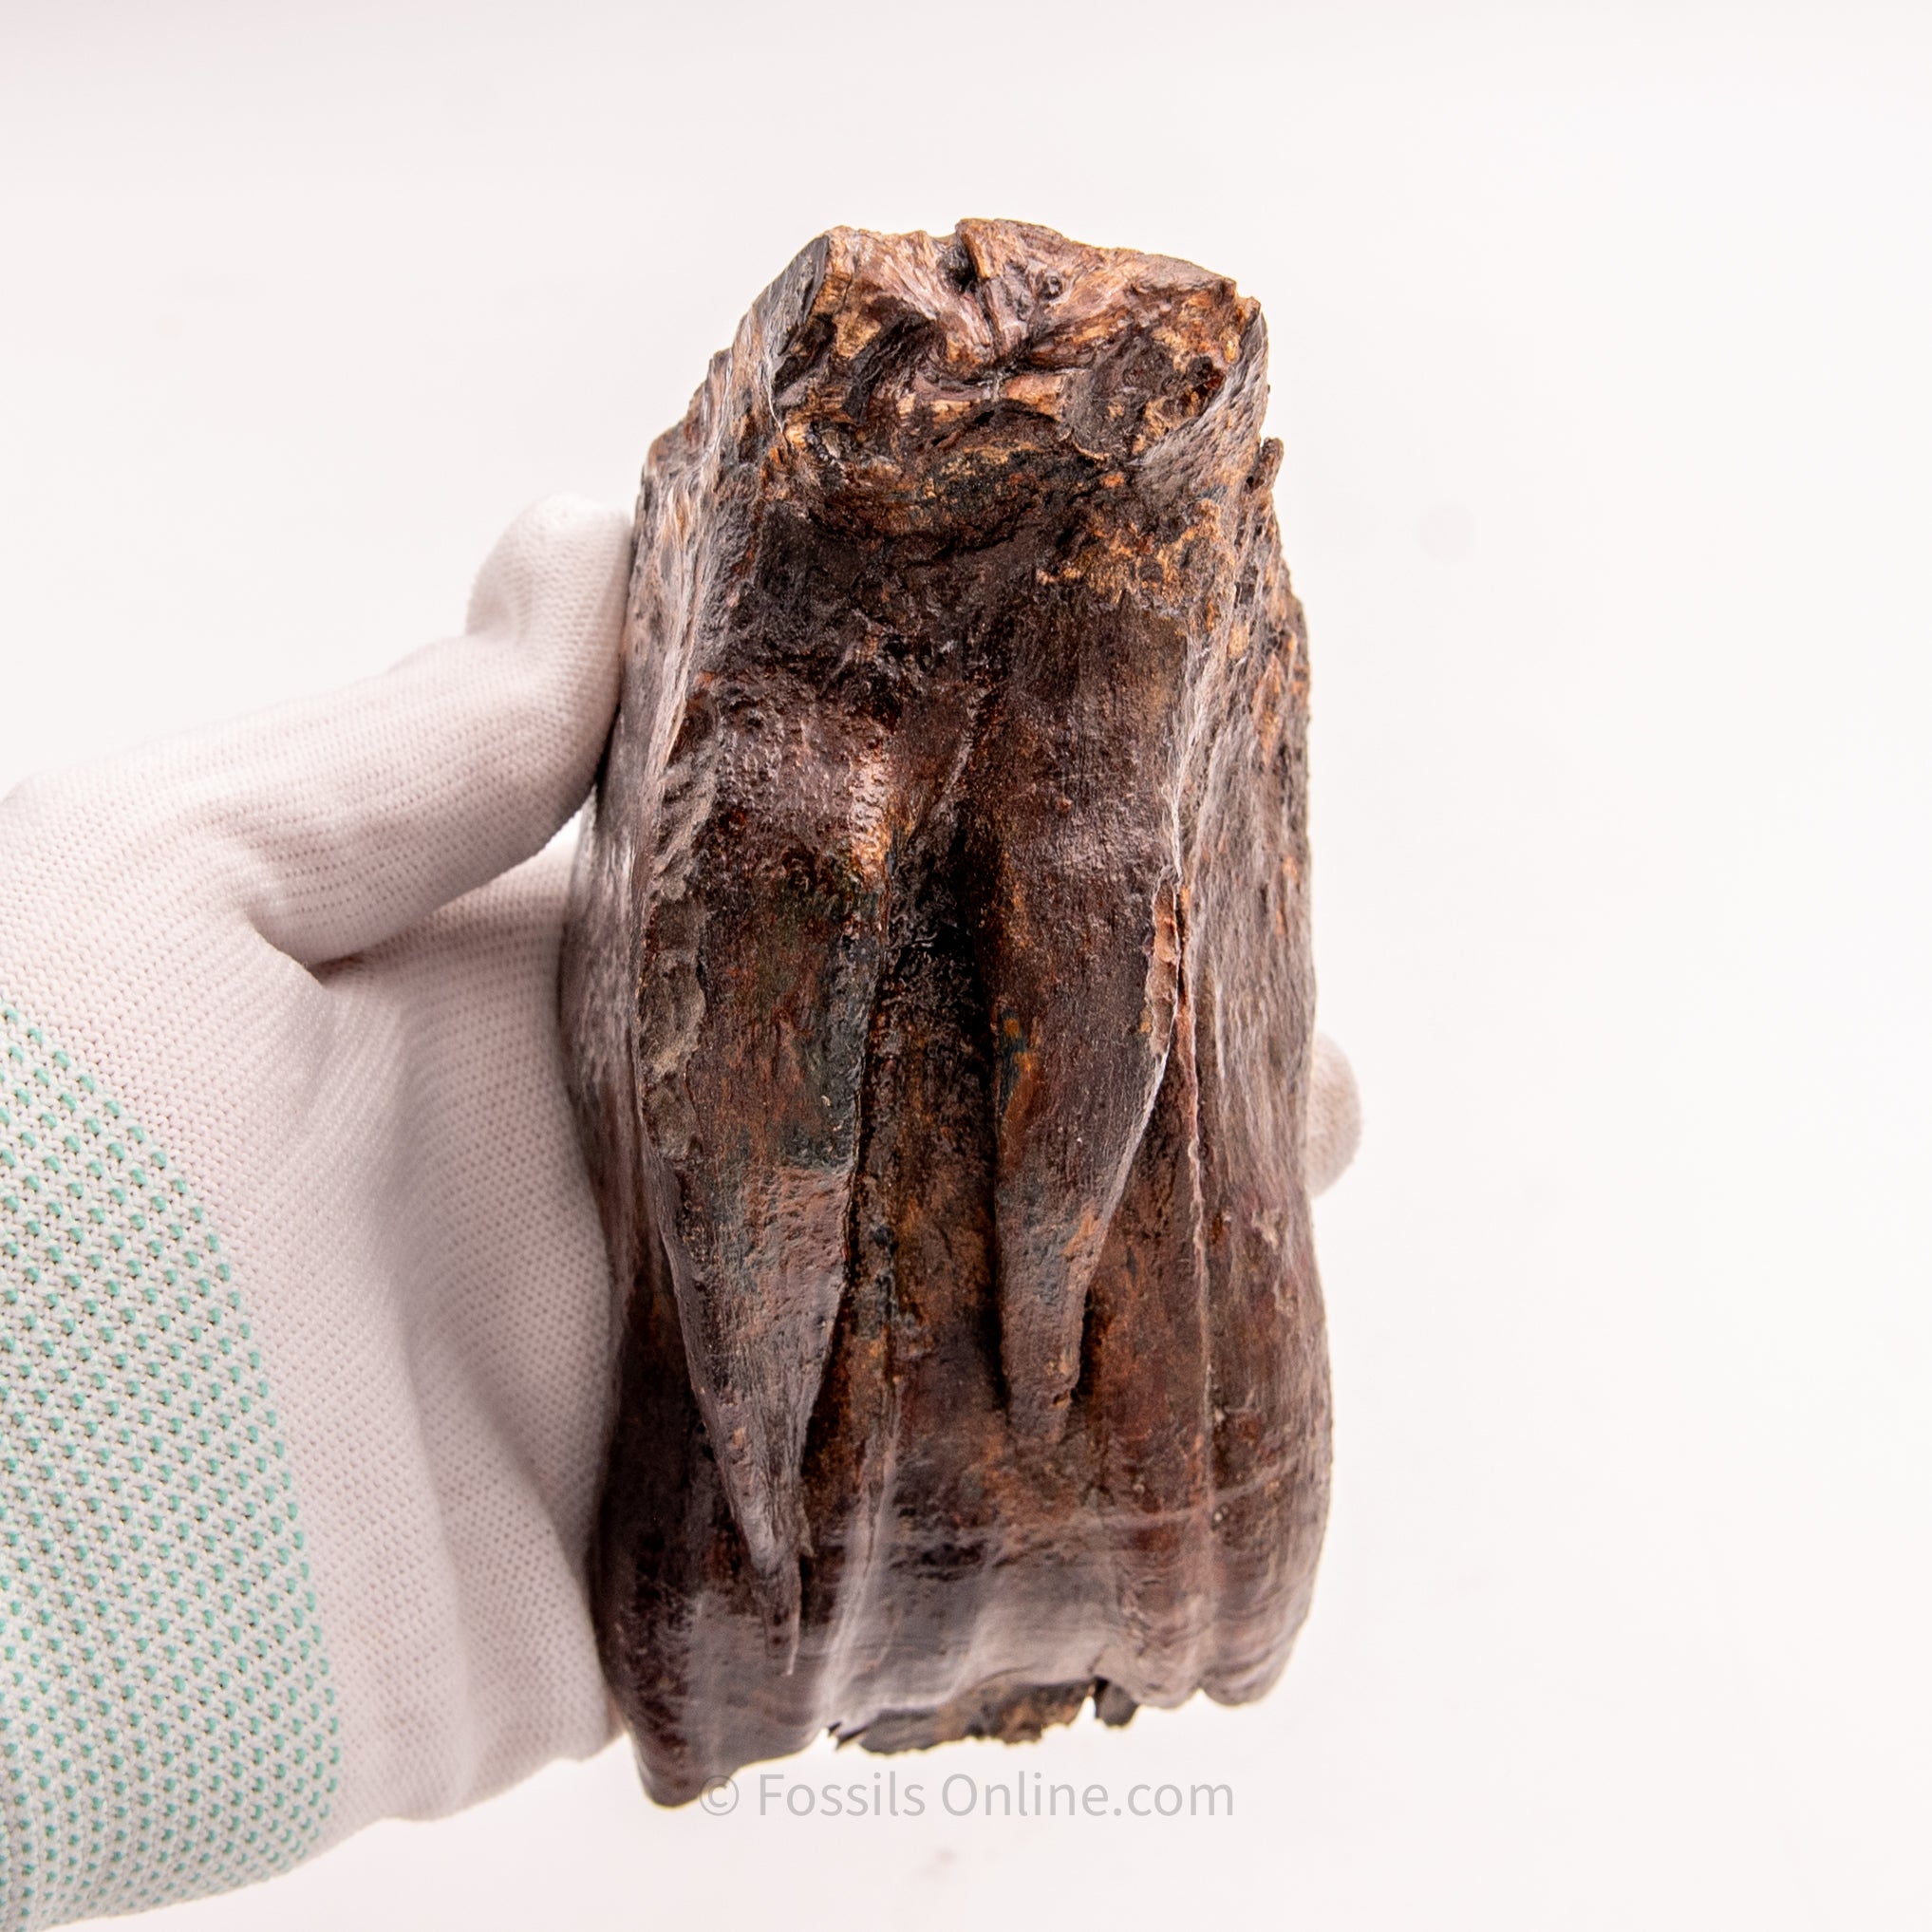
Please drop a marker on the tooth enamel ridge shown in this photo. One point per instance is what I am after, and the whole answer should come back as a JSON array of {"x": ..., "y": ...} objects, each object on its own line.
[{"x": 937, "y": 1001}]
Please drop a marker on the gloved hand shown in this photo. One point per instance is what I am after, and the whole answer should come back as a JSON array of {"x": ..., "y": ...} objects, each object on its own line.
[
  {"x": 304, "y": 1325},
  {"x": 307, "y": 1331}
]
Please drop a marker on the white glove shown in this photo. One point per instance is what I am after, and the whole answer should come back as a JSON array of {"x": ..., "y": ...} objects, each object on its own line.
[
  {"x": 306, "y": 1335},
  {"x": 306, "y": 1328}
]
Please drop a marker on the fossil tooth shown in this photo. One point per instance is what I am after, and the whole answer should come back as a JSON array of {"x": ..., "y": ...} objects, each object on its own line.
[{"x": 938, "y": 1003}]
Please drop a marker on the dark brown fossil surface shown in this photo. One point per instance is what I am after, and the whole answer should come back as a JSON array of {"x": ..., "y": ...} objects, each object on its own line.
[{"x": 938, "y": 998}]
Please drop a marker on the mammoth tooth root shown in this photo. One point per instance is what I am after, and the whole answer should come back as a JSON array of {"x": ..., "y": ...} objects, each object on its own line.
[{"x": 937, "y": 1001}]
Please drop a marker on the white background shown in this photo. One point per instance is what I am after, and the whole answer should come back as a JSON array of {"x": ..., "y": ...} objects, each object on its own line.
[{"x": 1601, "y": 344}]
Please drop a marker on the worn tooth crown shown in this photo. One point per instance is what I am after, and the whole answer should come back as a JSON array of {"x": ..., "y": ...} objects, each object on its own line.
[
  {"x": 938, "y": 998},
  {"x": 915, "y": 385}
]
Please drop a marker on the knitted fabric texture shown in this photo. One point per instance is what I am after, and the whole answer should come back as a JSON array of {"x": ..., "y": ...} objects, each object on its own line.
[{"x": 166, "y": 1721}]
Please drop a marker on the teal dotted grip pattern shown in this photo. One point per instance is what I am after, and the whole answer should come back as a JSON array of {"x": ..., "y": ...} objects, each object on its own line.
[{"x": 167, "y": 1725}]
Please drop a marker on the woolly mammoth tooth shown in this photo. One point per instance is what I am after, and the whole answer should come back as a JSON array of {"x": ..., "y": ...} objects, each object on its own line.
[{"x": 938, "y": 997}]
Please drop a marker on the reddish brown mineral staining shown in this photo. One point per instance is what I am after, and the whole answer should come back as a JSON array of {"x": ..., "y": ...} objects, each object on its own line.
[{"x": 939, "y": 1002}]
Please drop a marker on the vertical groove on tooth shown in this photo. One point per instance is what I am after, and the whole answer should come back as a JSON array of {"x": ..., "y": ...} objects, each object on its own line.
[{"x": 762, "y": 972}]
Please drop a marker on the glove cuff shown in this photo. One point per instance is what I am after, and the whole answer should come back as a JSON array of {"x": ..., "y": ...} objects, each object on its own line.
[{"x": 167, "y": 1722}]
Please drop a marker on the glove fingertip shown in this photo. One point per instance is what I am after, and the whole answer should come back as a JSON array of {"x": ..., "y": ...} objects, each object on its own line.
[
  {"x": 1333, "y": 1124},
  {"x": 562, "y": 563}
]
